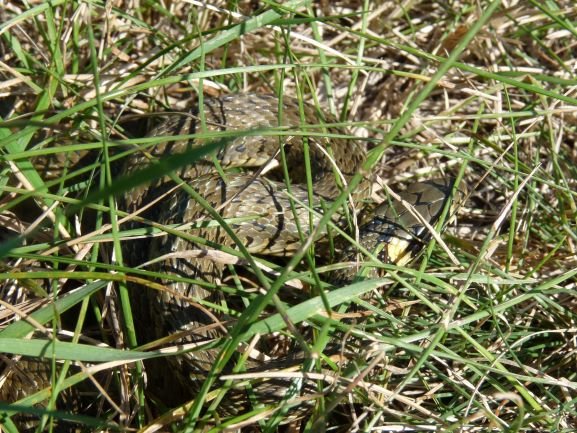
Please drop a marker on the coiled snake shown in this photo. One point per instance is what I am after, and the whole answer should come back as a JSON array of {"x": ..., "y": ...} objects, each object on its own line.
[
  {"x": 266, "y": 216},
  {"x": 275, "y": 220}
]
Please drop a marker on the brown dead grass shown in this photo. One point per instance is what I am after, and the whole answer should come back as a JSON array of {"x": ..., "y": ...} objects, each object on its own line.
[{"x": 495, "y": 348}]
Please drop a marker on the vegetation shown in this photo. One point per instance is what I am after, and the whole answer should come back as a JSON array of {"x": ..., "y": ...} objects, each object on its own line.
[{"x": 480, "y": 340}]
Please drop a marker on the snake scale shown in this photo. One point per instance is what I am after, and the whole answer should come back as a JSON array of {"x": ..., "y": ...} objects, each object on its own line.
[{"x": 267, "y": 217}]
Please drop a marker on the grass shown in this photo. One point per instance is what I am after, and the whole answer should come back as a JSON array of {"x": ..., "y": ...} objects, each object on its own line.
[{"x": 482, "y": 90}]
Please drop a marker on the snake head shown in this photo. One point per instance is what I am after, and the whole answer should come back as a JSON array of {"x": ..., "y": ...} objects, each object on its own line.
[{"x": 399, "y": 228}]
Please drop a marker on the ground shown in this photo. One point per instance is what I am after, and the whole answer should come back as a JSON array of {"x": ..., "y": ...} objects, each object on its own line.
[{"x": 478, "y": 334}]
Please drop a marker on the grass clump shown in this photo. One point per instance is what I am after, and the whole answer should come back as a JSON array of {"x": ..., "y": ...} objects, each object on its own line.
[{"x": 479, "y": 90}]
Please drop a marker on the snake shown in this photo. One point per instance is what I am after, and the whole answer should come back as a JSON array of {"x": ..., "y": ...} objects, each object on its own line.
[
  {"x": 276, "y": 167},
  {"x": 308, "y": 164}
]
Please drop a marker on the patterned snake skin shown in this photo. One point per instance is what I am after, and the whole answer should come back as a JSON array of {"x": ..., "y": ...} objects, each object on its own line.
[
  {"x": 267, "y": 218},
  {"x": 270, "y": 224}
]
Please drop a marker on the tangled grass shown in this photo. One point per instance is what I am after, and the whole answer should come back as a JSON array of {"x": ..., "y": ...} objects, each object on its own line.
[{"x": 480, "y": 90}]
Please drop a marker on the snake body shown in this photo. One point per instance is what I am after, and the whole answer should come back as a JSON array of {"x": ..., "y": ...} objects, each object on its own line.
[
  {"x": 275, "y": 218},
  {"x": 270, "y": 214}
]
